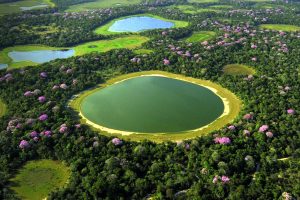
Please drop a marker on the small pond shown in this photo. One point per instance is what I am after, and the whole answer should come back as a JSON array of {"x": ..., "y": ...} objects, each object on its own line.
[
  {"x": 139, "y": 23},
  {"x": 3, "y": 66},
  {"x": 152, "y": 104},
  {"x": 40, "y": 56}
]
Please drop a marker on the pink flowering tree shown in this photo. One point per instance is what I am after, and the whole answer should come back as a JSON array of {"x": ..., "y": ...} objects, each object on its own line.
[
  {"x": 43, "y": 117},
  {"x": 42, "y": 99},
  {"x": 290, "y": 111},
  {"x": 24, "y": 144},
  {"x": 166, "y": 61},
  {"x": 63, "y": 128},
  {"x": 222, "y": 140},
  {"x": 263, "y": 128},
  {"x": 117, "y": 141}
]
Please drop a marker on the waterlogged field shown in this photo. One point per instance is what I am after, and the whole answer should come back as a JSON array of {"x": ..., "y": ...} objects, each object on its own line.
[
  {"x": 237, "y": 69},
  {"x": 129, "y": 42},
  {"x": 134, "y": 27},
  {"x": 18, "y": 6},
  {"x": 36, "y": 179},
  {"x": 280, "y": 27},
  {"x": 101, "y": 4},
  {"x": 201, "y": 36},
  {"x": 159, "y": 114}
]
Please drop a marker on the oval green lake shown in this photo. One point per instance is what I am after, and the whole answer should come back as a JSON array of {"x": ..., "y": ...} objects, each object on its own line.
[{"x": 152, "y": 104}]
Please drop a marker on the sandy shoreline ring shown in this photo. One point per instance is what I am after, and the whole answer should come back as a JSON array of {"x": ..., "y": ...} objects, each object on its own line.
[{"x": 225, "y": 113}]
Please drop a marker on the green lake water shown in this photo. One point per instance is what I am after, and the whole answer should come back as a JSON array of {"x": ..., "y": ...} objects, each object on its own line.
[{"x": 153, "y": 104}]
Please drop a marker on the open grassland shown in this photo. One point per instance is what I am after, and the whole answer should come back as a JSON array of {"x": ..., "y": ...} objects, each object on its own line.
[
  {"x": 188, "y": 9},
  {"x": 14, "y": 7},
  {"x": 267, "y": 5},
  {"x": 203, "y": 1},
  {"x": 142, "y": 51},
  {"x": 3, "y": 108},
  {"x": 280, "y": 27},
  {"x": 260, "y": 0},
  {"x": 232, "y": 107},
  {"x": 221, "y": 7},
  {"x": 36, "y": 179},
  {"x": 201, "y": 36},
  {"x": 130, "y": 42},
  {"x": 41, "y": 30},
  {"x": 103, "y": 30},
  {"x": 237, "y": 69},
  {"x": 101, "y": 4}
]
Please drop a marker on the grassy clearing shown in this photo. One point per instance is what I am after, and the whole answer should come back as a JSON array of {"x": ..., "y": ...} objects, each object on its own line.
[
  {"x": 101, "y": 4},
  {"x": 15, "y": 7},
  {"x": 237, "y": 69},
  {"x": 143, "y": 51},
  {"x": 280, "y": 27},
  {"x": 3, "y": 108},
  {"x": 201, "y": 36},
  {"x": 129, "y": 42},
  {"x": 188, "y": 9},
  {"x": 221, "y": 7},
  {"x": 260, "y": 0},
  {"x": 233, "y": 105},
  {"x": 36, "y": 179},
  {"x": 203, "y": 1},
  {"x": 103, "y": 30},
  {"x": 268, "y": 6}
]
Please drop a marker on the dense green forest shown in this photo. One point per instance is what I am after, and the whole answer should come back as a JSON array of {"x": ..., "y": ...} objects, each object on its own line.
[{"x": 255, "y": 157}]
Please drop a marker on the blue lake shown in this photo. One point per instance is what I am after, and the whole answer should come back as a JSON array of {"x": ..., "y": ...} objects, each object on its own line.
[
  {"x": 40, "y": 56},
  {"x": 136, "y": 24},
  {"x": 3, "y": 66}
]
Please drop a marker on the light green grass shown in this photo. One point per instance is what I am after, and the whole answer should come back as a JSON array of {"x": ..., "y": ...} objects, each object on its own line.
[
  {"x": 237, "y": 69},
  {"x": 142, "y": 51},
  {"x": 221, "y": 7},
  {"x": 268, "y": 6},
  {"x": 201, "y": 36},
  {"x": 130, "y": 42},
  {"x": 101, "y": 4},
  {"x": 259, "y": 0},
  {"x": 280, "y": 27},
  {"x": 36, "y": 179},
  {"x": 15, "y": 7},
  {"x": 103, "y": 30},
  {"x": 192, "y": 10},
  {"x": 234, "y": 106},
  {"x": 203, "y": 1},
  {"x": 3, "y": 108}
]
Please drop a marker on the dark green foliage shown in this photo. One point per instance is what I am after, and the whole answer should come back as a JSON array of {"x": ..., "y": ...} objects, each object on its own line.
[{"x": 137, "y": 170}]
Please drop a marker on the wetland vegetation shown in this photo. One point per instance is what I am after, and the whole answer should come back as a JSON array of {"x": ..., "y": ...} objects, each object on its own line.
[{"x": 252, "y": 60}]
